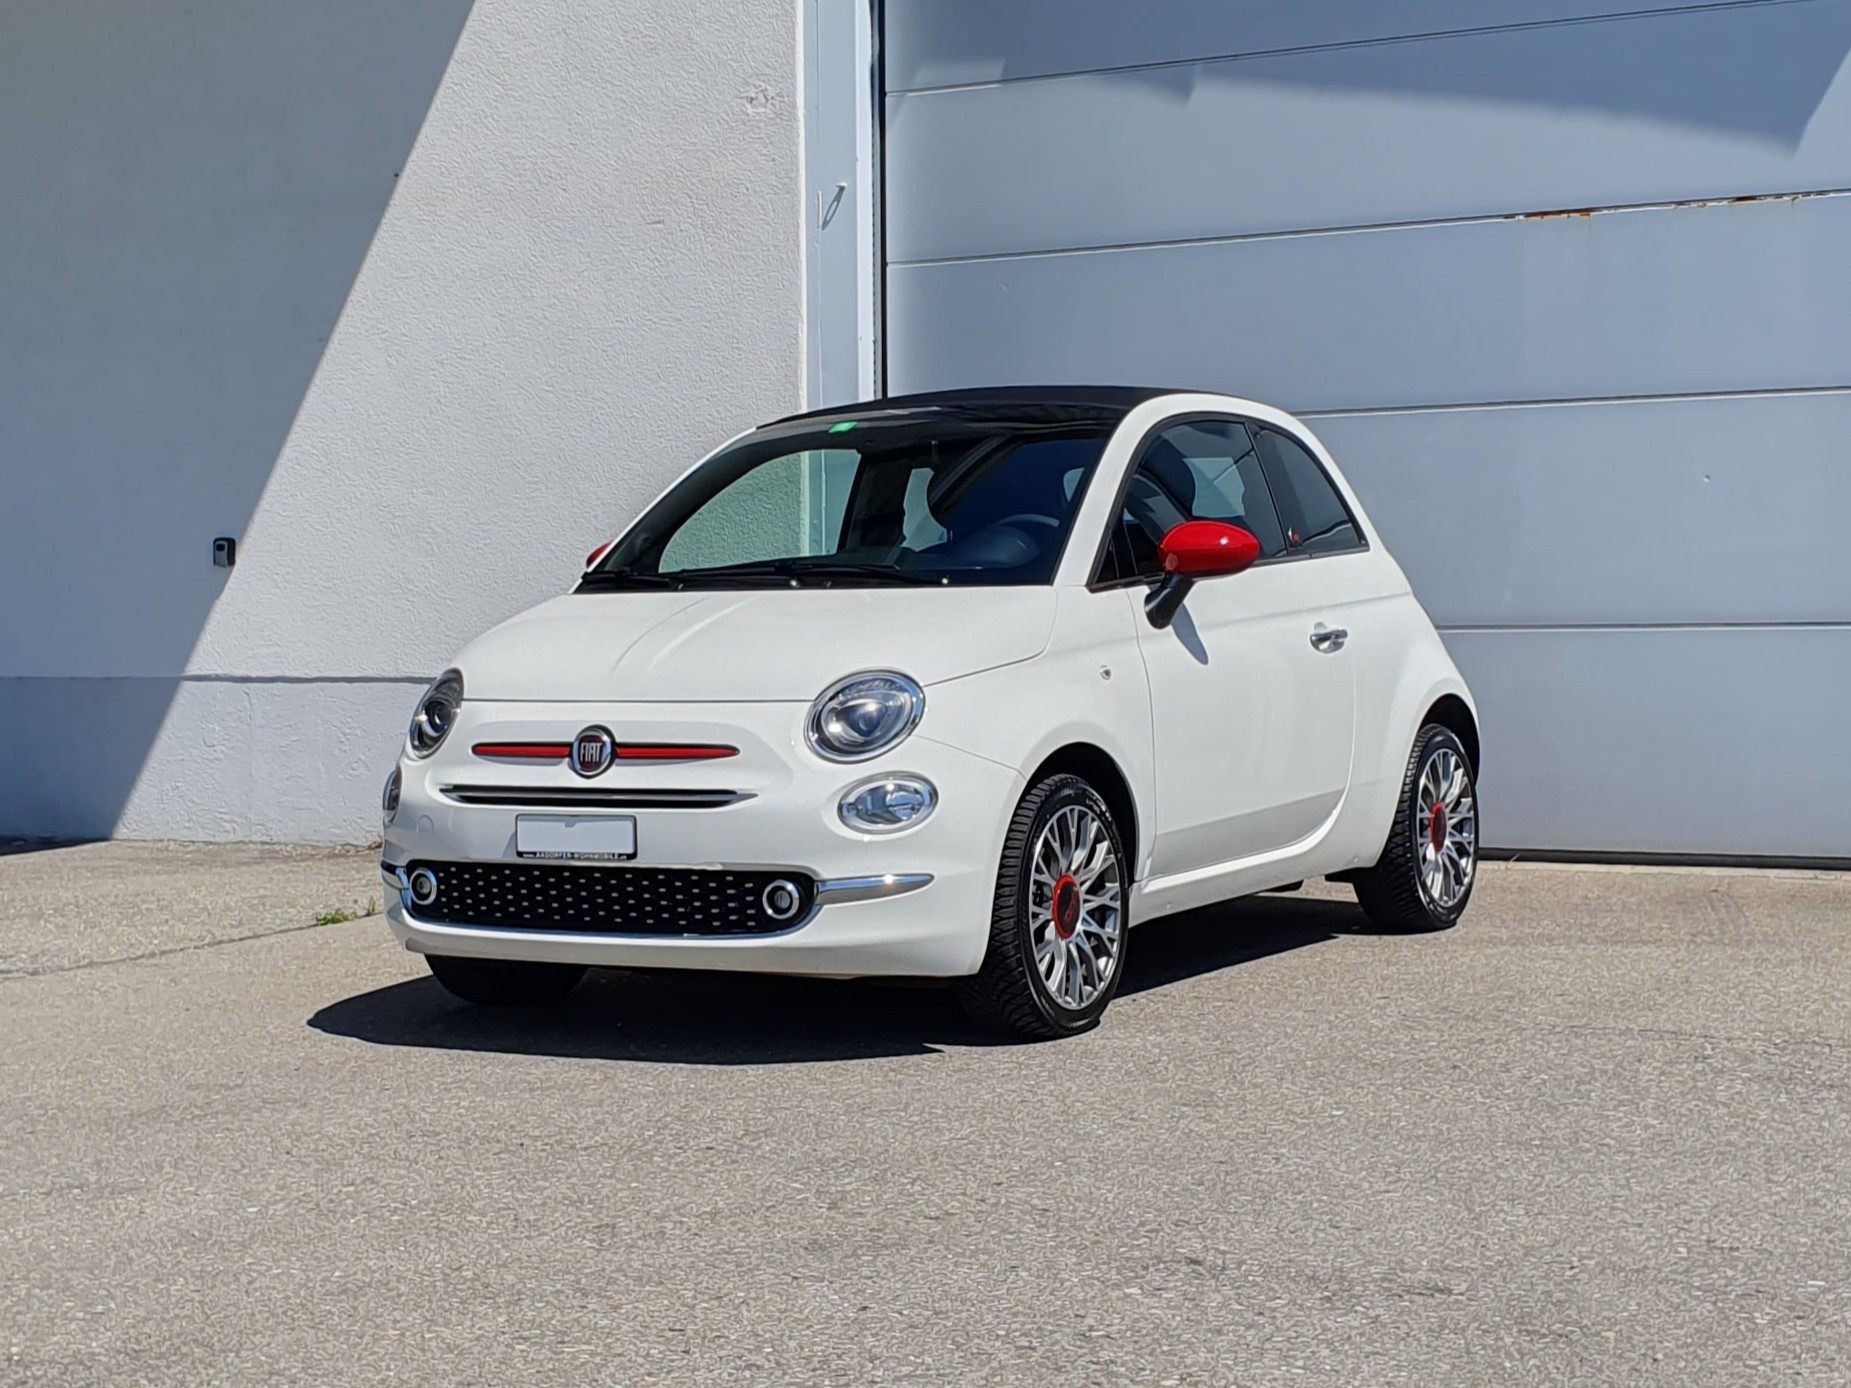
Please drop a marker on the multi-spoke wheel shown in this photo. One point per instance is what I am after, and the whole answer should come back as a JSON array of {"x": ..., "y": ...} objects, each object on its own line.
[
  {"x": 1057, "y": 934},
  {"x": 1446, "y": 821},
  {"x": 1076, "y": 906},
  {"x": 1424, "y": 878}
]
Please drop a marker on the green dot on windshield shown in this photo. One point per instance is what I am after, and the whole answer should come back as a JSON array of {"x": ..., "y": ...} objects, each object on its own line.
[{"x": 843, "y": 427}]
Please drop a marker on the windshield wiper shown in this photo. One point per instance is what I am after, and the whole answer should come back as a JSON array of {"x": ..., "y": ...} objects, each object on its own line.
[
  {"x": 797, "y": 570},
  {"x": 723, "y": 575},
  {"x": 830, "y": 568},
  {"x": 626, "y": 578}
]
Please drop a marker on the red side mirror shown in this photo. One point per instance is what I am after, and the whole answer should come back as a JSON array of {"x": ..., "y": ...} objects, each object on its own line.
[
  {"x": 1207, "y": 549},
  {"x": 592, "y": 559}
]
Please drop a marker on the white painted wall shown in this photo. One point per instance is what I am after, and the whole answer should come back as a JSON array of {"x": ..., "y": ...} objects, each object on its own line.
[{"x": 417, "y": 381}]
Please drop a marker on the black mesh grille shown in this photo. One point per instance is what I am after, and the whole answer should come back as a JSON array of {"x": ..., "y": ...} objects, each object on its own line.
[{"x": 607, "y": 901}]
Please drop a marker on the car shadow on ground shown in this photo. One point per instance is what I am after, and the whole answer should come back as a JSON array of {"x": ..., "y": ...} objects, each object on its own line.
[{"x": 743, "y": 1019}]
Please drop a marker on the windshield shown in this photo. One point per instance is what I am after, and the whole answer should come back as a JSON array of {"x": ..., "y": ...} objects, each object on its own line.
[{"x": 921, "y": 497}]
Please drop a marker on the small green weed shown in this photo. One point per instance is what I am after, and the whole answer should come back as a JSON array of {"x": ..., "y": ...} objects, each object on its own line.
[{"x": 340, "y": 915}]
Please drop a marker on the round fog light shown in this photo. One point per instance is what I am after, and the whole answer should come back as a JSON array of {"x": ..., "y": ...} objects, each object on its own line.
[
  {"x": 424, "y": 886},
  {"x": 890, "y": 803},
  {"x": 782, "y": 900}
]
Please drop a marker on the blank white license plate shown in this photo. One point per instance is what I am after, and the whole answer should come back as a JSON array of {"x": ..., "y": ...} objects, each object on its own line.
[{"x": 574, "y": 836}]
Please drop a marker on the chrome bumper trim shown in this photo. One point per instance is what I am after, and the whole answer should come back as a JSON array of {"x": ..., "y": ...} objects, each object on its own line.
[
  {"x": 594, "y": 798},
  {"x": 835, "y": 890}
]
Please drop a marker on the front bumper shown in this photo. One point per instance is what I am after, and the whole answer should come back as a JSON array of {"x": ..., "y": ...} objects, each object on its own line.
[
  {"x": 857, "y": 928},
  {"x": 915, "y": 903}
]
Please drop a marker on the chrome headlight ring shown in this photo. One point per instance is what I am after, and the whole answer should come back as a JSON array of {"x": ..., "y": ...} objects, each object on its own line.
[
  {"x": 864, "y": 715},
  {"x": 436, "y": 714},
  {"x": 887, "y": 804}
]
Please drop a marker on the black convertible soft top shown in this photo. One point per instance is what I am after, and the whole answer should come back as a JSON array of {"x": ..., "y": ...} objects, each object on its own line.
[{"x": 1001, "y": 402}]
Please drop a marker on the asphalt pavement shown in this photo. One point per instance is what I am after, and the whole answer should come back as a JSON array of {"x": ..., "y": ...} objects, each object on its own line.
[{"x": 1596, "y": 1135}]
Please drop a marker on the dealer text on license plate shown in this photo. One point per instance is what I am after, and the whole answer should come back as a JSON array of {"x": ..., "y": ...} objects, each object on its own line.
[{"x": 583, "y": 838}]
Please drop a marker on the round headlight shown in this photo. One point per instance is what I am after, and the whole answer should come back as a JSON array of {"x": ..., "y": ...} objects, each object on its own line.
[
  {"x": 887, "y": 804},
  {"x": 864, "y": 715},
  {"x": 388, "y": 798},
  {"x": 436, "y": 714}
]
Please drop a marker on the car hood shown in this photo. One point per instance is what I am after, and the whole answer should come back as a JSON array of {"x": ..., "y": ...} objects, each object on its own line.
[{"x": 695, "y": 647}]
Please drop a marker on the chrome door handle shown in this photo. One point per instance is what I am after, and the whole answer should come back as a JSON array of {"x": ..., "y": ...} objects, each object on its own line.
[{"x": 1328, "y": 639}]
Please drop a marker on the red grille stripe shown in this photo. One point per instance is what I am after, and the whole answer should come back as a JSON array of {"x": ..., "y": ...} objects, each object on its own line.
[
  {"x": 625, "y": 751},
  {"x": 526, "y": 751},
  {"x": 655, "y": 751}
]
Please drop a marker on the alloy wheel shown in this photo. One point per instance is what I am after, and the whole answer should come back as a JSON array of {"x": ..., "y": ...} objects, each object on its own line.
[
  {"x": 1446, "y": 829},
  {"x": 1076, "y": 917}
]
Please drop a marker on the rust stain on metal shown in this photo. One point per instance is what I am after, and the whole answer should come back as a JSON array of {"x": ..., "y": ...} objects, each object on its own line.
[{"x": 1679, "y": 205}]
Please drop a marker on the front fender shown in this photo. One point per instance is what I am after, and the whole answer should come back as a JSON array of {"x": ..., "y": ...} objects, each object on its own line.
[{"x": 1094, "y": 695}]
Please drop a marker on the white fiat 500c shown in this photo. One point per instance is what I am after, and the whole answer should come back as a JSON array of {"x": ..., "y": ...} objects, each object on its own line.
[{"x": 959, "y": 686}]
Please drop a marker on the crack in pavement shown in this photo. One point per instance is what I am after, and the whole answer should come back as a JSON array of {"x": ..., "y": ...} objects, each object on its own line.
[{"x": 44, "y": 970}]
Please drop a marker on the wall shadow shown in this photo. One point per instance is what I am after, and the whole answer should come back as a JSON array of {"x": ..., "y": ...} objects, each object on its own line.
[
  {"x": 71, "y": 750},
  {"x": 191, "y": 192},
  {"x": 740, "y": 1019},
  {"x": 13, "y": 848}
]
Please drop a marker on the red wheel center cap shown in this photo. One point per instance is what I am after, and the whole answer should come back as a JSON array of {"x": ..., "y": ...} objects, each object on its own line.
[
  {"x": 1436, "y": 828},
  {"x": 1066, "y": 907}
]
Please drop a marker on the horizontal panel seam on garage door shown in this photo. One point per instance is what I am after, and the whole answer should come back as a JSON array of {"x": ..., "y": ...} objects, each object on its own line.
[
  {"x": 211, "y": 677},
  {"x": 1578, "y": 21},
  {"x": 1368, "y": 228},
  {"x": 1575, "y": 401},
  {"x": 1479, "y": 629}
]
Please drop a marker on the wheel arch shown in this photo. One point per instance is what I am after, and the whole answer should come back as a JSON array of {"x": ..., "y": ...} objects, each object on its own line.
[
  {"x": 1099, "y": 769},
  {"x": 1376, "y": 779},
  {"x": 1455, "y": 715}
]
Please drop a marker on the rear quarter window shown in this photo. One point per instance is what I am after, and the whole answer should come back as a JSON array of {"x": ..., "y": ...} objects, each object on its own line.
[{"x": 1316, "y": 520}]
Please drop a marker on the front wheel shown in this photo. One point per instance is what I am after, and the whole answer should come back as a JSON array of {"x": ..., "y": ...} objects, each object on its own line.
[
  {"x": 1058, "y": 926},
  {"x": 504, "y": 982},
  {"x": 1429, "y": 865}
]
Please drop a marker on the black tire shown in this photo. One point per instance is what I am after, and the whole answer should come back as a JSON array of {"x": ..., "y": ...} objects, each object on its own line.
[
  {"x": 1394, "y": 893},
  {"x": 1008, "y": 993},
  {"x": 504, "y": 982}
]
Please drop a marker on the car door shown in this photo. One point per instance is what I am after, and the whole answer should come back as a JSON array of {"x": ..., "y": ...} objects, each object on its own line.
[{"x": 1252, "y": 719}]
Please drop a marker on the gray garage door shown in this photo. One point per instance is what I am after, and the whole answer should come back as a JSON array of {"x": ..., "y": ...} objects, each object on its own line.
[{"x": 1566, "y": 285}]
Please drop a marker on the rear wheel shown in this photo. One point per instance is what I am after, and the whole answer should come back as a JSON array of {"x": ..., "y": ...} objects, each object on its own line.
[
  {"x": 1428, "y": 867},
  {"x": 504, "y": 982},
  {"x": 1058, "y": 926}
]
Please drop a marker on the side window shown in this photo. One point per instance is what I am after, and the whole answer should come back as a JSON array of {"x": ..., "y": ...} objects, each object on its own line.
[
  {"x": 1200, "y": 470},
  {"x": 1317, "y": 521}
]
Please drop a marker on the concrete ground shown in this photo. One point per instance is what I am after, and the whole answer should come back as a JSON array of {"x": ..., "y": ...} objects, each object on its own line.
[{"x": 1597, "y": 1135}]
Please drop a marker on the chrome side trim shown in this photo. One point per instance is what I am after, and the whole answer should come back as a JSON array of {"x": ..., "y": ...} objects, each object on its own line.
[{"x": 836, "y": 890}]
